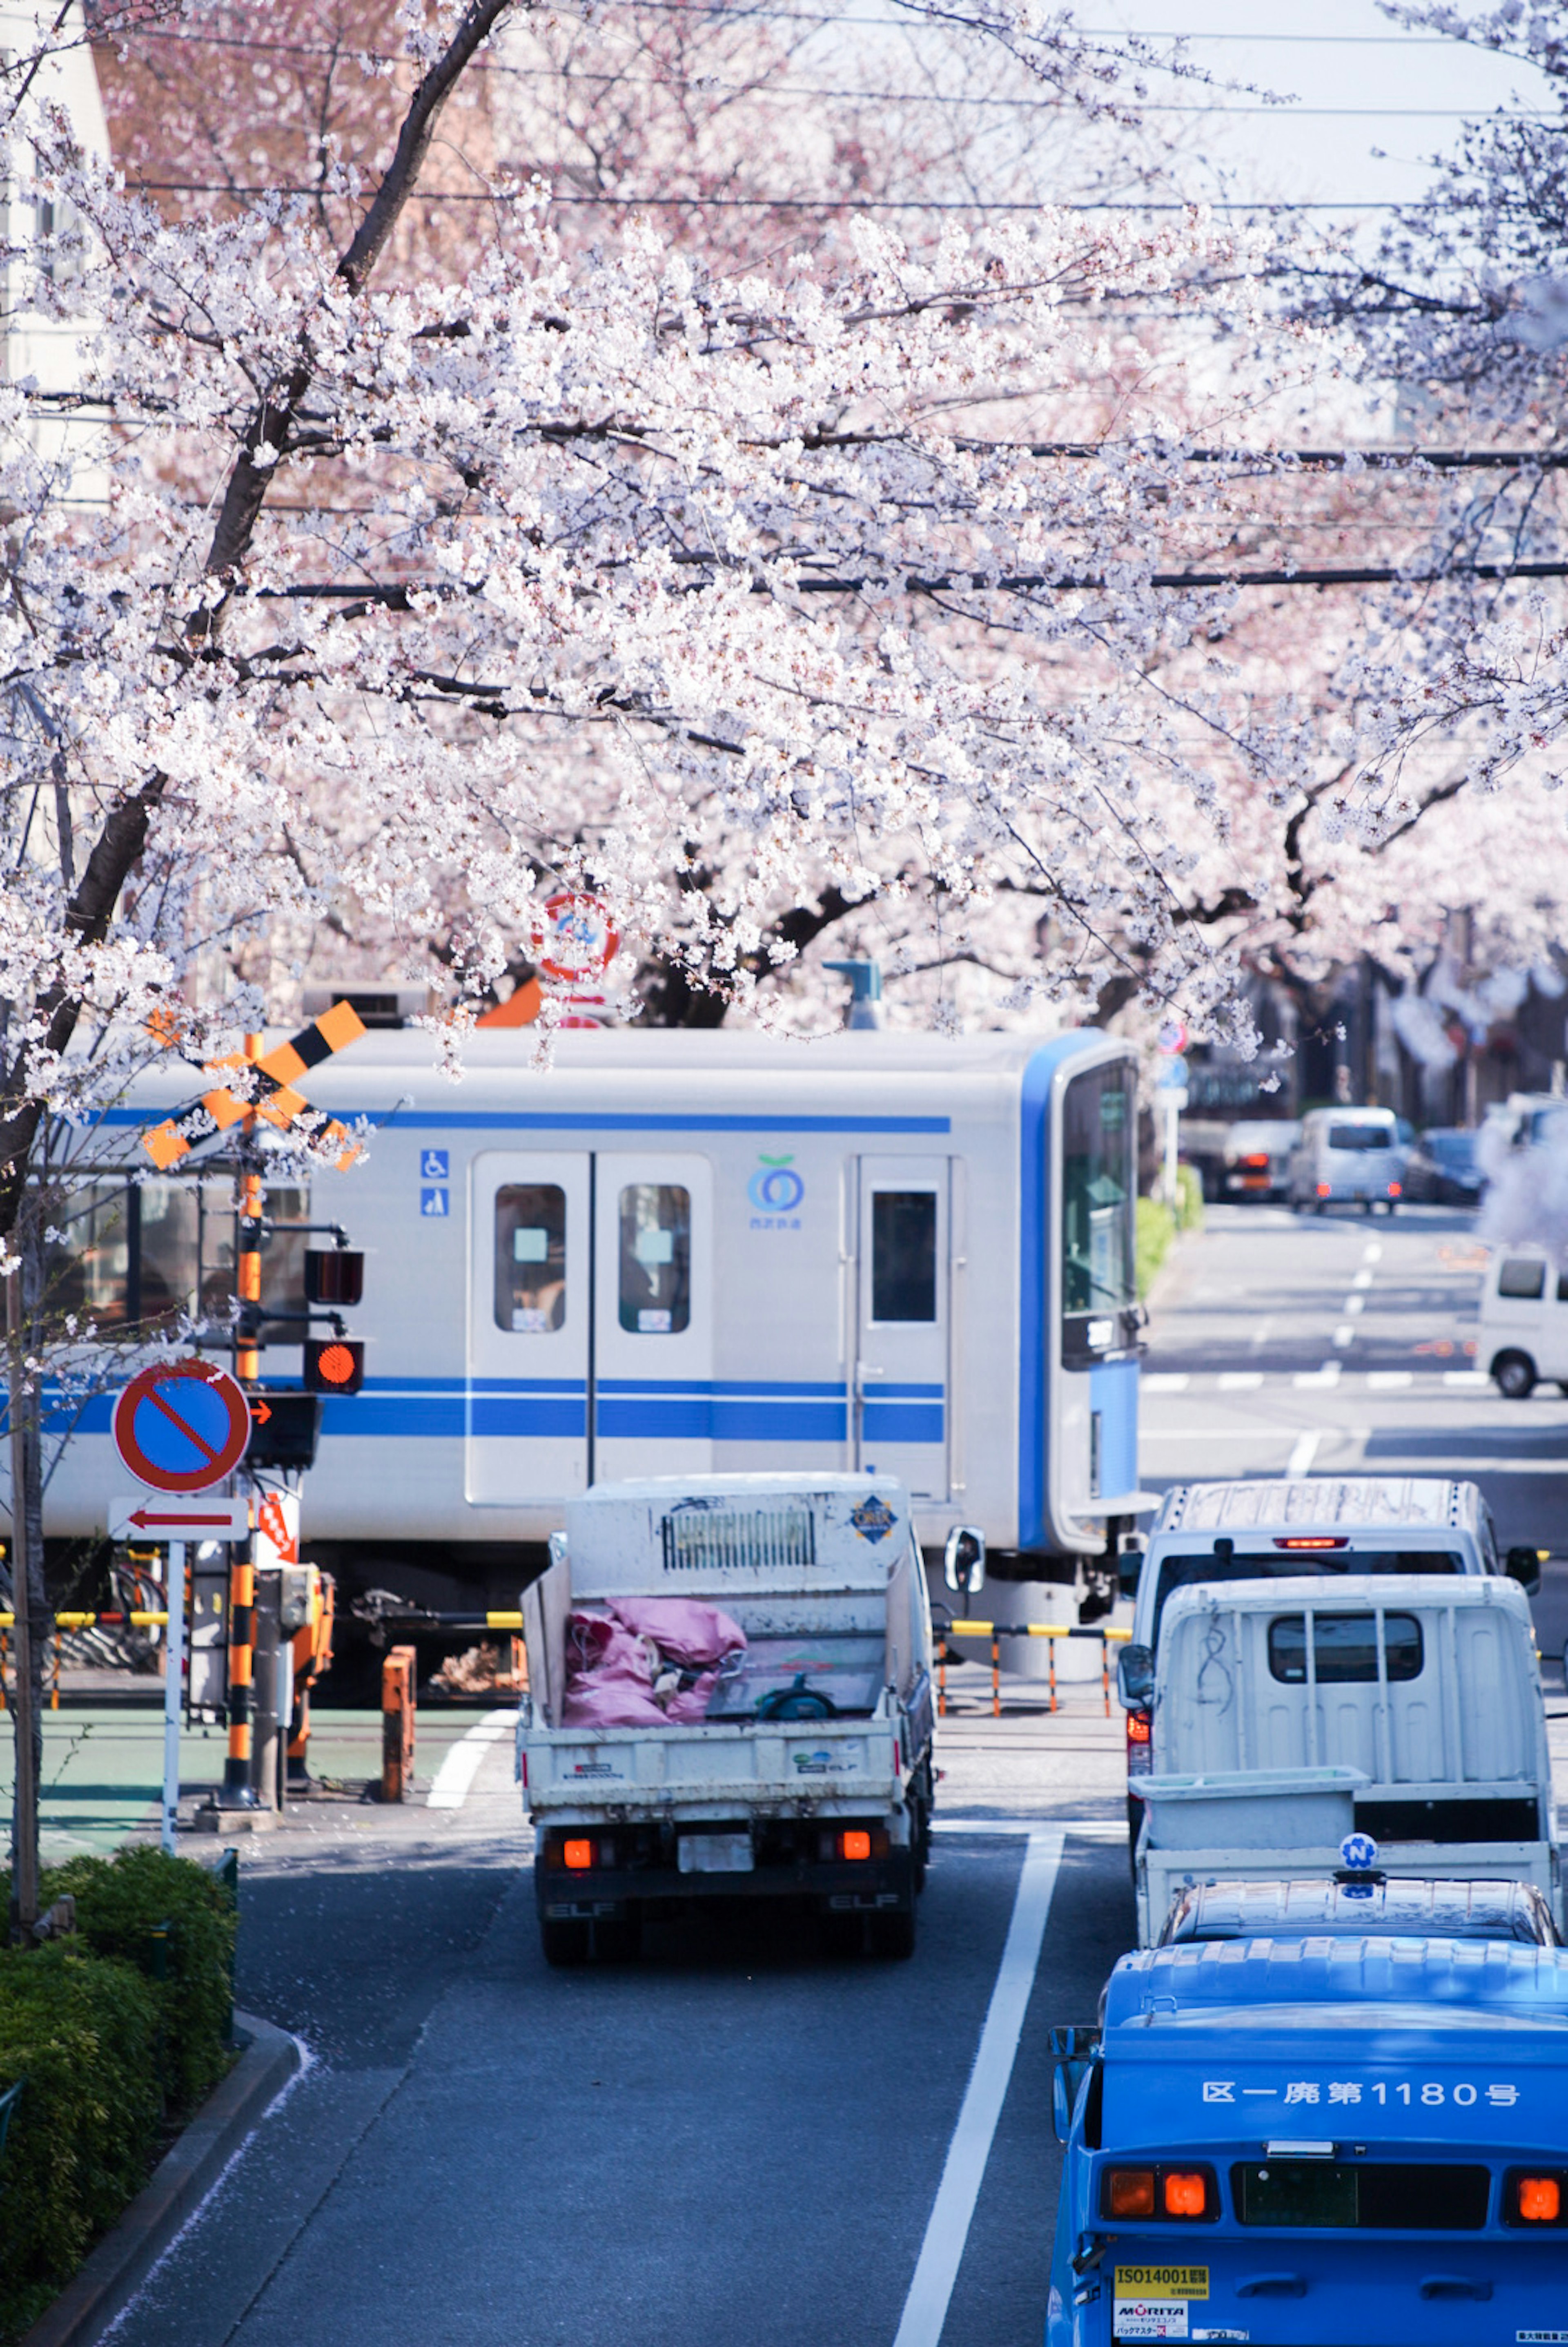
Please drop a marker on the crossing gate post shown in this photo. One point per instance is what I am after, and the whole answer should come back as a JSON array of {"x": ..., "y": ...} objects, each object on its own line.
[{"x": 397, "y": 1723}]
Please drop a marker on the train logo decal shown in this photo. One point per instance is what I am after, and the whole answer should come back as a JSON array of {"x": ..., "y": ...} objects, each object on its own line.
[
  {"x": 873, "y": 1518},
  {"x": 775, "y": 1188}
]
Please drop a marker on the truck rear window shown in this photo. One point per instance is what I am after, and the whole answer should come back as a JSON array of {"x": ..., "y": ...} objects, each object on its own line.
[
  {"x": 1344, "y": 1648},
  {"x": 1296, "y": 1564},
  {"x": 1360, "y": 1136},
  {"x": 1393, "y": 2196}
]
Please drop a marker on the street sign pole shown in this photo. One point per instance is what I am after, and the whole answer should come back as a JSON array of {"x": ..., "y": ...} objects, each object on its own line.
[{"x": 174, "y": 1658}]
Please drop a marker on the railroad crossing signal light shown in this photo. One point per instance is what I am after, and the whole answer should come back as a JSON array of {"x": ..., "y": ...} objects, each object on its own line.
[
  {"x": 335, "y": 1276},
  {"x": 334, "y": 1364}
]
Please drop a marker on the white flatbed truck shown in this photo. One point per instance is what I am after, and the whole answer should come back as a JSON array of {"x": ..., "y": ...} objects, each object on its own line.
[{"x": 810, "y": 1777}]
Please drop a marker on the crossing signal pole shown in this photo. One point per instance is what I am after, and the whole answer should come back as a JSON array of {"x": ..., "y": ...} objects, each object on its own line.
[{"x": 334, "y": 1364}]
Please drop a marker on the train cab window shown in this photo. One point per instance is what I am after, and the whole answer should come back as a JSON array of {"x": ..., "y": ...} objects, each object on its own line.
[
  {"x": 1344, "y": 1649},
  {"x": 903, "y": 1254},
  {"x": 1099, "y": 1191},
  {"x": 1524, "y": 1279},
  {"x": 530, "y": 1257},
  {"x": 656, "y": 1258}
]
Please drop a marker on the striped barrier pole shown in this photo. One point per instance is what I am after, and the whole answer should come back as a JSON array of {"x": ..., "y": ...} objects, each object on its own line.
[
  {"x": 1050, "y": 1668},
  {"x": 239, "y": 1793}
]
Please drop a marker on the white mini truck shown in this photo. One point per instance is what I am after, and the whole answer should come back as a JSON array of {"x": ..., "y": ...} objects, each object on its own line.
[
  {"x": 1289, "y": 1716},
  {"x": 808, "y": 1774}
]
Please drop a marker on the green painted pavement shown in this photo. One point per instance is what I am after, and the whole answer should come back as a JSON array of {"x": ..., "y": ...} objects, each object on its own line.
[{"x": 103, "y": 1766}]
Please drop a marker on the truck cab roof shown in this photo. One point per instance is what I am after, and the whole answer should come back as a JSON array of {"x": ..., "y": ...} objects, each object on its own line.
[
  {"x": 1326, "y": 1907},
  {"x": 1322, "y": 1504}
]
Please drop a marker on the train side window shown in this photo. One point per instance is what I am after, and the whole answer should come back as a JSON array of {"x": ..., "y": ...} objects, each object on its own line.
[
  {"x": 903, "y": 1254},
  {"x": 1522, "y": 1279},
  {"x": 656, "y": 1258},
  {"x": 530, "y": 1257}
]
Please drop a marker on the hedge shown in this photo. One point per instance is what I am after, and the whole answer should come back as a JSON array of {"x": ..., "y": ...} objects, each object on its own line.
[
  {"x": 1157, "y": 1224},
  {"x": 111, "y": 2054}
]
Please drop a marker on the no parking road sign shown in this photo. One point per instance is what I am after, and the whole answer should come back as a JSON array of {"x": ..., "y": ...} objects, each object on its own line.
[{"x": 183, "y": 1426}]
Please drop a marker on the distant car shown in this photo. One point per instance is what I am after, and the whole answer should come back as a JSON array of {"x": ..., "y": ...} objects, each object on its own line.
[
  {"x": 1313, "y": 1907},
  {"x": 1257, "y": 1158},
  {"x": 1442, "y": 1168},
  {"x": 1348, "y": 1156}
]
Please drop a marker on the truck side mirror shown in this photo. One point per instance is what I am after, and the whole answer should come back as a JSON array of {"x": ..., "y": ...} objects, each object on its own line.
[
  {"x": 1073, "y": 2053},
  {"x": 1131, "y": 1551},
  {"x": 963, "y": 1560},
  {"x": 1136, "y": 1677},
  {"x": 1523, "y": 1565}
]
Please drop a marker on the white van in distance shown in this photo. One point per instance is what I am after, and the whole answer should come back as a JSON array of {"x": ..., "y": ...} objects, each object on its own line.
[
  {"x": 1348, "y": 1156},
  {"x": 1524, "y": 1321}
]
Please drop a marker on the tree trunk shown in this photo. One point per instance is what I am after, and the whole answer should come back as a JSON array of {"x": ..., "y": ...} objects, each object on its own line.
[{"x": 23, "y": 1300}]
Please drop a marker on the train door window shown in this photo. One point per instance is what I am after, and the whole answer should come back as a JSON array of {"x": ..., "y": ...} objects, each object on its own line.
[
  {"x": 655, "y": 1258},
  {"x": 530, "y": 1257},
  {"x": 903, "y": 1256}
]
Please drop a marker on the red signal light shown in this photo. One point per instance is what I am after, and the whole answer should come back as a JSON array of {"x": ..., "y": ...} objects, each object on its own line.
[{"x": 334, "y": 1364}]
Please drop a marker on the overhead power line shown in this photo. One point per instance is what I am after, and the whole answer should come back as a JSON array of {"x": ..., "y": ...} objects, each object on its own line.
[
  {"x": 766, "y": 203},
  {"x": 959, "y": 582}
]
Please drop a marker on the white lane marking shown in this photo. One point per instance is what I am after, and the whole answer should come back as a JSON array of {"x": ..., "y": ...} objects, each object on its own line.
[
  {"x": 1354, "y": 1303},
  {"x": 947, "y": 2230},
  {"x": 1328, "y": 1374},
  {"x": 1206, "y": 1434},
  {"x": 1362, "y": 1280},
  {"x": 1465, "y": 1378},
  {"x": 1261, "y": 1333},
  {"x": 1344, "y": 1336},
  {"x": 1372, "y": 1252},
  {"x": 1239, "y": 1380},
  {"x": 455, "y": 1776},
  {"x": 1303, "y": 1452},
  {"x": 1114, "y": 1827},
  {"x": 1164, "y": 1381},
  {"x": 1386, "y": 1380}
]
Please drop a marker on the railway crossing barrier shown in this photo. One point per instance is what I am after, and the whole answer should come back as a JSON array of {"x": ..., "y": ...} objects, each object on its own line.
[{"x": 997, "y": 1631}]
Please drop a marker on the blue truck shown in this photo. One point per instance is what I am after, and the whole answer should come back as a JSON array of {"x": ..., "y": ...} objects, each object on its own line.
[{"x": 1319, "y": 2142}]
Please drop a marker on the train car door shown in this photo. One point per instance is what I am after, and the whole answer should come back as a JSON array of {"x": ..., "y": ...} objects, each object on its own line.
[
  {"x": 899, "y": 1388},
  {"x": 653, "y": 1314},
  {"x": 530, "y": 1299}
]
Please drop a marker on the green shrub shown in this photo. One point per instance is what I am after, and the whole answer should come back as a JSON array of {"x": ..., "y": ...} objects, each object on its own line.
[
  {"x": 81, "y": 2030},
  {"x": 115, "y": 2031},
  {"x": 1157, "y": 1227},
  {"x": 120, "y": 1904},
  {"x": 1189, "y": 1199}
]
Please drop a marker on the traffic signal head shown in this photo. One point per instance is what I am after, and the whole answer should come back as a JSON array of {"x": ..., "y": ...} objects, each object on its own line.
[
  {"x": 334, "y": 1364},
  {"x": 335, "y": 1276}
]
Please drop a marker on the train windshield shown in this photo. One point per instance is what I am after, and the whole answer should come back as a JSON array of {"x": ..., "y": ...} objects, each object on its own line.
[{"x": 1099, "y": 1191}]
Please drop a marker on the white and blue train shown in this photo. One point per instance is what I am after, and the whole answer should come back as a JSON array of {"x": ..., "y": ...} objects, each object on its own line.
[{"x": 673, "y": 1253}]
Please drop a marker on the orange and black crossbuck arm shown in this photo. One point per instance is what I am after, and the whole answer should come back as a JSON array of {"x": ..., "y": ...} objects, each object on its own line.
[{"x": 275, "y": 1098}]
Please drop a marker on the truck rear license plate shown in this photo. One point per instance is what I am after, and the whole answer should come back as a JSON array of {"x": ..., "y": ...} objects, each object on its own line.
[{"x": 719, "y": 1854}]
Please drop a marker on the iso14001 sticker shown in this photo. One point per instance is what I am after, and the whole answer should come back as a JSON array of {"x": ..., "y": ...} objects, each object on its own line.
[{"x": 1155, "y": 2302}]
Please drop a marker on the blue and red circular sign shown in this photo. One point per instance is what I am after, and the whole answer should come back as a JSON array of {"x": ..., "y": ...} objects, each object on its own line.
[{"x": 183, "y": 1426}]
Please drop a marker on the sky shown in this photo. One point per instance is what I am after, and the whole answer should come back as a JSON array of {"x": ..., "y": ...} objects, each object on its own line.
[{"x": 1359, "y": 84}]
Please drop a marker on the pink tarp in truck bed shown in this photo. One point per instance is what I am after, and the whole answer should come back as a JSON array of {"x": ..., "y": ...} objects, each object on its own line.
[{"x": 614, "y": 1659}]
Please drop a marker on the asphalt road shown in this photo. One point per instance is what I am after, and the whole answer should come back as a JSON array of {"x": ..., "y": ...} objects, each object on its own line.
[
  {"x": 1339, "y": 1345},
  {"x": 742, "y": 2137}
]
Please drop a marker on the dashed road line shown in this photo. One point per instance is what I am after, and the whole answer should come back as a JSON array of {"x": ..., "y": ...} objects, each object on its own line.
[
  {"x": 1304, "y": 1452},
  {"x": 454, "y": 1778}
]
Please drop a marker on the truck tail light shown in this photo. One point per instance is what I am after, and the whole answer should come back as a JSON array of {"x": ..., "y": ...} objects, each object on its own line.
[
  {"x": 1130, "y": 2192},
  {"x": 1325, "y": 1189},
  {"x": 1535, "y": 2199},
  {"x": 1187, "y": 2195},
  {"x": 1259, "y": 1159},
  {"x": 1140, "y": 1743},
  {"x": 1394, "y": 1190},
  {"x": 577, "y": 1855},
  {"x": 856, "y": 1843}
]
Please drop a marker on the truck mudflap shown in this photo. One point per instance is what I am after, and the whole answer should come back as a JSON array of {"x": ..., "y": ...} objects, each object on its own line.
[{"x": 1323, "y": 2289}]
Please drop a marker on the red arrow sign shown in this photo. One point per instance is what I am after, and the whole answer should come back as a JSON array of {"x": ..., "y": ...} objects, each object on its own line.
[
  {"x": 260, "y": 1412},
  {"x": 144, "y": 1520}
]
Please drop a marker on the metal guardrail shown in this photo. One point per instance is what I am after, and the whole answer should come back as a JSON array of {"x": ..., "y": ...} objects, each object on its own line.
[{"x": 1048, "y": 1631}]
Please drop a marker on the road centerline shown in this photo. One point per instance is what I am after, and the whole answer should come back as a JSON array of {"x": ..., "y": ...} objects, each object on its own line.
[{"x": 952, "y": 2212}]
